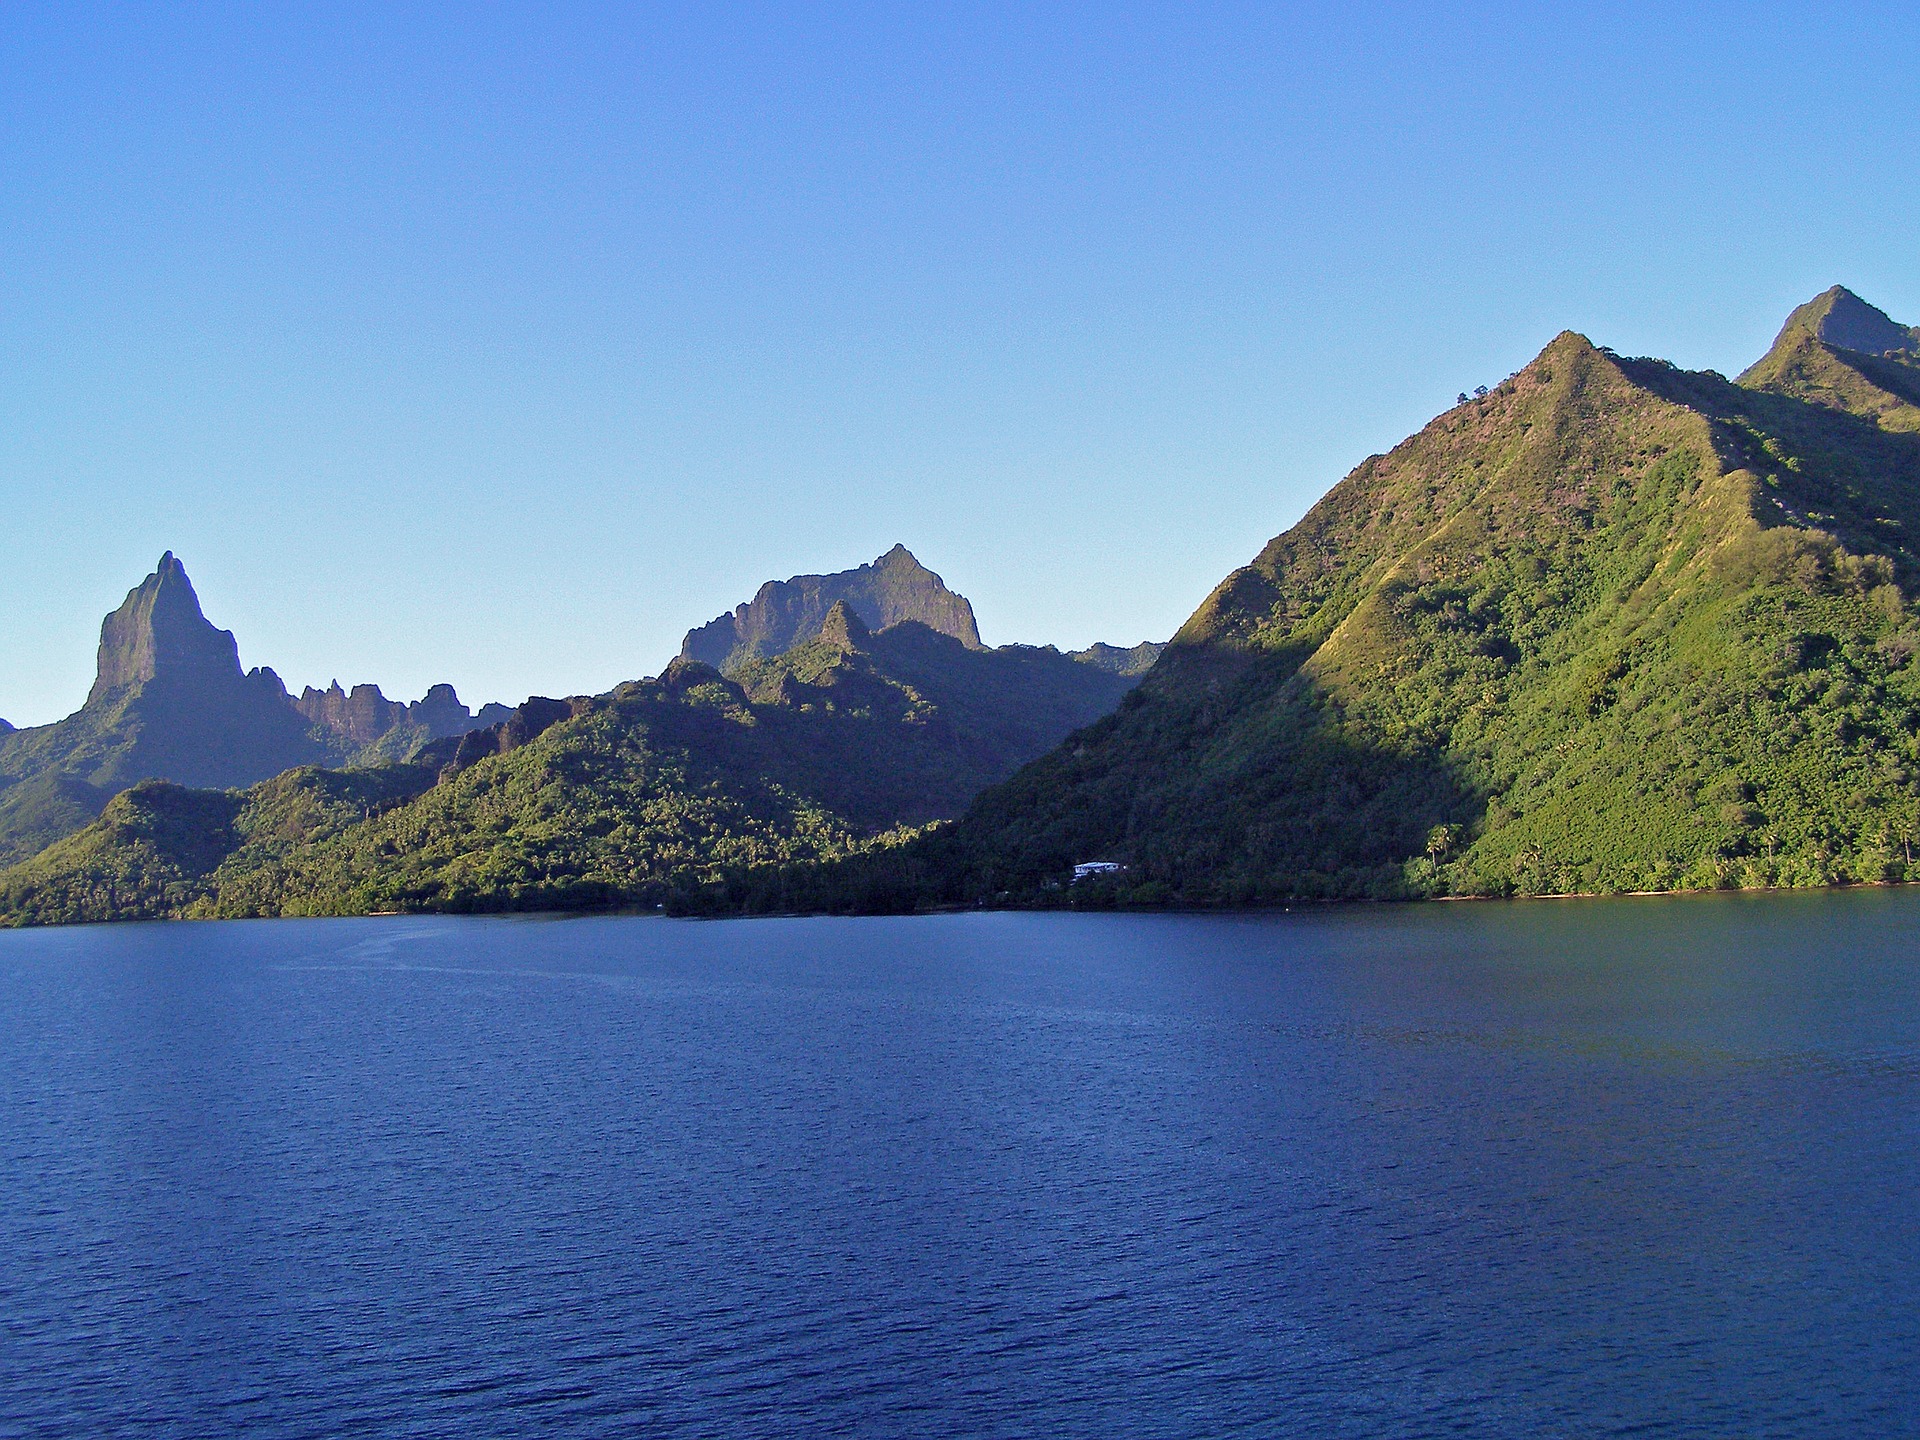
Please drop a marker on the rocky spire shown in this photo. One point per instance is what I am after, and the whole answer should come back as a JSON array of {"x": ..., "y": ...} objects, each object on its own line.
[
  {"x": 843, "y": 627},
  {"x": 159, "y": 633}
]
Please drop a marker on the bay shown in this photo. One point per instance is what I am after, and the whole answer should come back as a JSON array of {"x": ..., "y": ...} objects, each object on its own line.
[{"x": 1608, "y": 1167}]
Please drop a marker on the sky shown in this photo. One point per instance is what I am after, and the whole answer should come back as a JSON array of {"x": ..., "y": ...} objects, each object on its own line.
[{"x": 501, "y": 344}]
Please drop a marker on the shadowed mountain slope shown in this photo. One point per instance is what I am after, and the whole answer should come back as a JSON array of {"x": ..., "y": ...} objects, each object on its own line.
[
  {"x": 990, "y": 711},
  {"x": 1842, "y": 319},
  {"x": 1840, "y": 352}
]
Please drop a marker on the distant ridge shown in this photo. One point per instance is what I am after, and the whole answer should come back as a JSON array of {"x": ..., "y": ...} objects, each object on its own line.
[
  {"x": 644, "y": 796},
  {"x": 894, "y": 588},
  {"x": 1841, "y": 353},
  {"x": 1134, "y": 660},
  {"x": 363, "y": 716}
]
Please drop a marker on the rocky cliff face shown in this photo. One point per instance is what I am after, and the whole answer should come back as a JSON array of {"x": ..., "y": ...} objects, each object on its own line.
[
  {"x": 169, "y": 701},
  {"x": 363, "y": 715},
  {"x": 519, "y": 726},
  {"x": 894, "y": 588},
  {"x": 158, "y": 633}
]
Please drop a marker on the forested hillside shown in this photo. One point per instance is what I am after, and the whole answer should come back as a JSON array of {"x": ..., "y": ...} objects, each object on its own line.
[
  {"x": 1613, "y": 626},
  {"x": 645, "y": 796}
]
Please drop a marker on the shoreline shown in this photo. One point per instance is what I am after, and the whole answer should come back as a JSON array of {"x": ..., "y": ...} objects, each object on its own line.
[{"x": 1279, "y": 907}]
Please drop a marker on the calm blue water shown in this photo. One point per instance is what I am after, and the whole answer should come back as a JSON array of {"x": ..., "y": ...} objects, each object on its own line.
[{"x": 1645, "y": 1167}]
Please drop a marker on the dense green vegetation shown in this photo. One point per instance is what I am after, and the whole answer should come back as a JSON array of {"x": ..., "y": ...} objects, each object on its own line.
[
  {"x": 156, "y": 848},
  {"x": 223, "y": 731},
  {"x": 1613, "y": 626},
  {"x": 649, "y": 796}
]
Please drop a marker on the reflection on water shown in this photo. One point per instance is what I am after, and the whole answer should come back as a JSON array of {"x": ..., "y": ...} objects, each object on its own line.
[{"x": 1583, "y": 1168}]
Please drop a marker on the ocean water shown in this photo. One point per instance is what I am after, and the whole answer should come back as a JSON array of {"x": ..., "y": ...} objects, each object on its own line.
[{"x": 1626, "y": 1167}]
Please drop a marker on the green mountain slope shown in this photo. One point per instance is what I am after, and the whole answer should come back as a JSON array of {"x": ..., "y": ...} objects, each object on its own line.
[
  {"x": 1614, "y": 626},
  {"x": 156, "y": 848},
  {"x": 642, "y": 796}
]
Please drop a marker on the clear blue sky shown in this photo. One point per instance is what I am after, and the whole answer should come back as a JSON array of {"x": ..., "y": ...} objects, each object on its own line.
[{"x": 497, "y": 345}]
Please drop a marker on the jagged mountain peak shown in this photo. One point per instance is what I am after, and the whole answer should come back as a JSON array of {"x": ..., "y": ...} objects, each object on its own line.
[
  {"x": 892, "y": 588},
  {"x": 159, "y": 632},
  {"x": 364, "y": 715}
]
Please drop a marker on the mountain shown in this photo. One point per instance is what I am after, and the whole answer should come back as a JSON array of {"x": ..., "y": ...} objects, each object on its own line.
[
  {"x": 894, "y": 588},
  {"x": 1613, "y": 626},
  {"x": 983, "y": 712},
  {"x": 645, "y": 795},
  {"x": 170, "y": 701},
  {"x": 843, "y": 741},
  {"x": 152, "y": 851}
]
